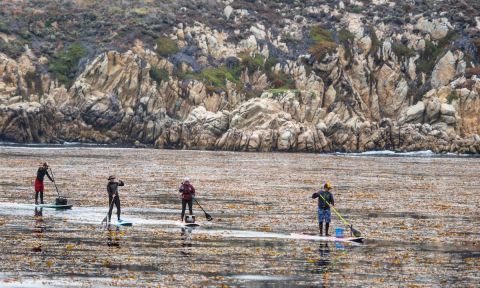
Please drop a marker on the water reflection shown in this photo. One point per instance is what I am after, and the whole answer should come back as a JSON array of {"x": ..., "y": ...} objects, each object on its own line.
[
  {"x": 186, "y": 236},
  {"x": 339, "y": 245},
  {"x": 113, "y": 238},
  {"x": 39, "y": 228},
  {"x": 323, "y": 264}
]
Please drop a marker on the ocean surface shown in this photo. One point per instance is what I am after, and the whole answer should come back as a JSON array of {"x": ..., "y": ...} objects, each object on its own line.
[{"x": 419, "y": 214}]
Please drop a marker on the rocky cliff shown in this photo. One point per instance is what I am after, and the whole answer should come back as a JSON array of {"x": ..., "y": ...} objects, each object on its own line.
[{"x": 317, "y": 76}]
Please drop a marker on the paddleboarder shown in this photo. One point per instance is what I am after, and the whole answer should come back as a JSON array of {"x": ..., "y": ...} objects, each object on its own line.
[
  {"x": 187, "y": 192},
  {"x": 113, "y": 198},
  {"x": 39, "y": 187},
  {"x": 324, "y": 213}
]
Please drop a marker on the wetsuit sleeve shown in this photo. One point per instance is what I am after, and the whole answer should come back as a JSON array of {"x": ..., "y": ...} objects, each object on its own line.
[
  {"x": 109, "y": 190},
  {"x": 331, "y": 199},
  {"x": 315, "y": 195},
  {"x": 120, "y": 183},
  {"x": 48, "y": 175}
]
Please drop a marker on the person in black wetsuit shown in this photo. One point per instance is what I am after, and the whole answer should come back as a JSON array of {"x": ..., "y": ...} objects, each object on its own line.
[
  {"x": 41, "y": 172},
  {"x": 113, "y": 198}
]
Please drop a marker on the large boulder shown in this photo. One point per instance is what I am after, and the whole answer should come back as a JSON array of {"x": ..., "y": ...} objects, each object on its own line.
[
  {"x": 437, "y": 28},
  {"x": 392, "y": 90},
  {"x": 413, "y": 114},
  {"x": 444, "y": 70}
]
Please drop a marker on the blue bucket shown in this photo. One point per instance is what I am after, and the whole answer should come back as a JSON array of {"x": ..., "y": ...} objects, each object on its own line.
[{"x": 339, "y": 232}]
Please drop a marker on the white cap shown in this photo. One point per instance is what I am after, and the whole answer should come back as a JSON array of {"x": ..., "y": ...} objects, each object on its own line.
[{"x": 186, "y": 179}]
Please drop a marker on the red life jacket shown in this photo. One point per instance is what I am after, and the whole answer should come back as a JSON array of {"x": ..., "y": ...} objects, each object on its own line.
[{"x": 187, "y": 191}]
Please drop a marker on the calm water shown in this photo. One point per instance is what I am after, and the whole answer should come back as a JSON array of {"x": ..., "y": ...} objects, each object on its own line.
[{"x": 420, "y": 216}]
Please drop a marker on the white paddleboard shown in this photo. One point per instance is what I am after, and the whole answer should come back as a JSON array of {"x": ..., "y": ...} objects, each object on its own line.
[
  {"x": 190, "y": 225},
  {"x": 326, "y": 238}
]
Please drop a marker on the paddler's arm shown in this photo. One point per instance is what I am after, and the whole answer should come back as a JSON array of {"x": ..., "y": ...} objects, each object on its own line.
[
  {"x": 48, "y": 175},
  {"x": 315, "y": 195},
  {"x": 120, "y": 183}
]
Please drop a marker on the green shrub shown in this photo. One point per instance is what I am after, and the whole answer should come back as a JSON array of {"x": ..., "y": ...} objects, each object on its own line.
[
  {"x": 346, "y": 38},
  {"x": 11, "y": 49},
  {"x": 141, "y": 11},
  {"x": 159, "y": 75},
  {"x": 252, "y": 63},
  {"x": 280, "y": 80},
  {"x": 427, "y": 59},
  {"x": 323, "y": 42},
  {"x": 403, "y": 51},
  {"x": 356, "y": 10},
  {"x": 452, "y": 96},
  {"x": 430, "y": 54},
  {"x": 318, "y": 34},
  {"x": 476, "y": 43},
  {"x": 64, "y": 64},
  {"x": 320, "y": 50},
  {"x": 376, "y": 44},
  {"x": 4, "y": 27},
  {"x": 215, "y": 77},
  {"x": 270, "y": 63},
  {"x": 48, "y": 23},
  {"x": 34, "y": 82},
  {"x": 166, "y": 46}
]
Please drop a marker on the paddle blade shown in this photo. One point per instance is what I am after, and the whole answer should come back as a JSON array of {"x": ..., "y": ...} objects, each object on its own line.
[
  {"x": 355, "y": 232},
  {"x": 209, "y": 218},
  {"x": 104, "y": 221}
]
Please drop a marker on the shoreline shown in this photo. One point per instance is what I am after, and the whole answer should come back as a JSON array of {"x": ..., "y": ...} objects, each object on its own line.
[{"x": 373, "y": 153}]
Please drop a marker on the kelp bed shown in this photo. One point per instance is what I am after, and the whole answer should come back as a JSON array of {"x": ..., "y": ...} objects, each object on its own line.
[{"x": 420, "y": 217}]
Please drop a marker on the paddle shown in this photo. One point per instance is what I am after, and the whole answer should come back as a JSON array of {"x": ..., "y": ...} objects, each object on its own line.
[
  {"x": 354, "y": 231},
  {"x": 54, "y": 183},
  {"x": 106, "y": 217},
  {"x": 209, "y": 218}
]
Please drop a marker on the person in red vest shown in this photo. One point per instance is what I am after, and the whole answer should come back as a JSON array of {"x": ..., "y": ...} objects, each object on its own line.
[
  {"x": 41, "y": 172},
  {"x": 187, "y": 192}
]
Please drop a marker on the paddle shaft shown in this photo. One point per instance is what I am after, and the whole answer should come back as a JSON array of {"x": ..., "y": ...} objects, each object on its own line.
[
  {"x": 334, "y": 210},
  {"x": 354, "y": 231},
  {"x": 109, "y": 206},
  {"x": 54, "y": 183},
  {"x": 199, "y": 205}
]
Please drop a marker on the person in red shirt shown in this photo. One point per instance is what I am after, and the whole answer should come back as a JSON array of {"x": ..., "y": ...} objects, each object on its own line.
[
  {"x": 187, "y": 192},
  {"x": 39, "y": 187}
]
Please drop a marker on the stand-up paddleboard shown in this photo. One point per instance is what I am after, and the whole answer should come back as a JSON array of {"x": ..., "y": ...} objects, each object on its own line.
[
  {"x": 54, "y": 206},
  {"x": 187, "y": 225},
  {"x": 122, "y": 223},
  {"x": 326, "y": 238}
]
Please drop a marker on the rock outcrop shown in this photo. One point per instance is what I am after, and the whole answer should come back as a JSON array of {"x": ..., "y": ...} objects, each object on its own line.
[{"x": 251, "y": 86}]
